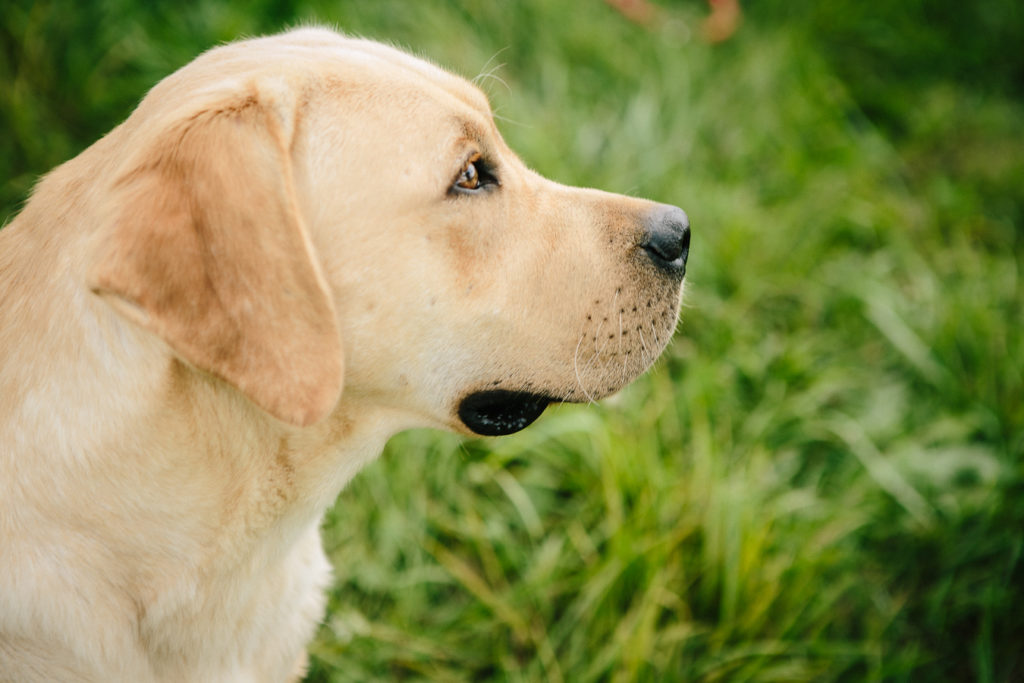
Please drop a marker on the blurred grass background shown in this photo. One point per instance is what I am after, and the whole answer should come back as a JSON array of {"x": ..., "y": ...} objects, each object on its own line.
[{"x": 823, "y": 479}]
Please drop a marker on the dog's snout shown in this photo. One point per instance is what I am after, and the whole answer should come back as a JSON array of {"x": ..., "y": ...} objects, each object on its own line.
[{"x": 667, "y": 238}]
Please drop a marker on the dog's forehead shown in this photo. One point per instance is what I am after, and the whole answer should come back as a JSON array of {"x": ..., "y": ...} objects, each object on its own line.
[
  {"x": 380, "y": 61},
  {"x": 313, "y": 59}
]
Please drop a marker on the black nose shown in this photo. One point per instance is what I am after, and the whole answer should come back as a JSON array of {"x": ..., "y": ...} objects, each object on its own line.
[{"x": 667, "y": 240}]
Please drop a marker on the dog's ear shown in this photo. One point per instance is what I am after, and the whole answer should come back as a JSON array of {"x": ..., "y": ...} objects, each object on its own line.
[{"x": 205, "y": 246}]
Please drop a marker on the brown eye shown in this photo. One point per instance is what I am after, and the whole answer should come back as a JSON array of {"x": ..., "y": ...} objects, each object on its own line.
[
  {"x": 475, "y": 177},
  {"x": 469, "y": 179}
]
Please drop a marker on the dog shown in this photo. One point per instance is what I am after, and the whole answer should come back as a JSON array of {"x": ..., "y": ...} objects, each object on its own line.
[{"x": 295, "y": 247}]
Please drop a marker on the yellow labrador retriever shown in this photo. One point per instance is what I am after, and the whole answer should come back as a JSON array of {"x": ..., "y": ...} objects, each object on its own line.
[{"x": 214, "y": 316}]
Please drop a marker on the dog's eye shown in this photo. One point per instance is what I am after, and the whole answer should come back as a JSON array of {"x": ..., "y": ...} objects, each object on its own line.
[
  {"x": 469, "y": 179},
  {"x": 474, "y": 176}
]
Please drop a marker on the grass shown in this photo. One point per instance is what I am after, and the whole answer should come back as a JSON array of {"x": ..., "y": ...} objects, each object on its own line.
[{"x": 823, "y": 478}]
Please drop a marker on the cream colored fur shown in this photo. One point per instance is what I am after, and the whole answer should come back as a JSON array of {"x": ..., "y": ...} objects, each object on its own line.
[{"x": 215, "y": 315}]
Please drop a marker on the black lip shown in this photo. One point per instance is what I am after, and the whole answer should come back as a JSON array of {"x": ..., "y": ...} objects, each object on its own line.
[{"x": 498, "y": 411}]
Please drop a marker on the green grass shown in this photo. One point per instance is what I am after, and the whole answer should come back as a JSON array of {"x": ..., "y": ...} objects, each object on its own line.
[{"x": 823, "y": 478}]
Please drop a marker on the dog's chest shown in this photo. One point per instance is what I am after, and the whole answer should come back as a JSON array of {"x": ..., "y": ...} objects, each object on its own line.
[{"x": 248, "y": 622}]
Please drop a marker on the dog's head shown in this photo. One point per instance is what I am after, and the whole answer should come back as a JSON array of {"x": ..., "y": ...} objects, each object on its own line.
[{"x": 294, "y": 201}]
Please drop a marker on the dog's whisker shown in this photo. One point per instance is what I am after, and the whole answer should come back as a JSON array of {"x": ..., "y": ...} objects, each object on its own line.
[
  {"x": 590, "y": 363},
  {"x": 492, "y": 76},
  {"x": 576, "y": 368},
  {"x": 644, "y": 351},
  {"x": 620, "y": 333},
  {"x": 597, "y": 335},
  {"x": 505, "y": 119},
  {"x": 484, "y": 70},
  {"x": 654, "y": 338},
  {"x": 597, "y": 356}
]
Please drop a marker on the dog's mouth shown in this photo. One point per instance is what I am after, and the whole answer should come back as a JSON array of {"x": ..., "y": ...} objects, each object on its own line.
[{"x": 498, "y": 412}]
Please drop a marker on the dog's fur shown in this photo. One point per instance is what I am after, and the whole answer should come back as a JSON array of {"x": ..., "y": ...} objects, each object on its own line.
[{"x": 182, "y": 303}]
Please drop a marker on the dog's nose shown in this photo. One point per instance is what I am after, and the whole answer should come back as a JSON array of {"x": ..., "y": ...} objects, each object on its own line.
[{"x": 667, "y": 238}]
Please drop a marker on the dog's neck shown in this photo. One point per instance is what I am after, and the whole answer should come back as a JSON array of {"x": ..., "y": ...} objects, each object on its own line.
[
  {"x": 178, "y": 439},
  {"x": 281, "y": 474},
  {"x": 175, "y": 436}
]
